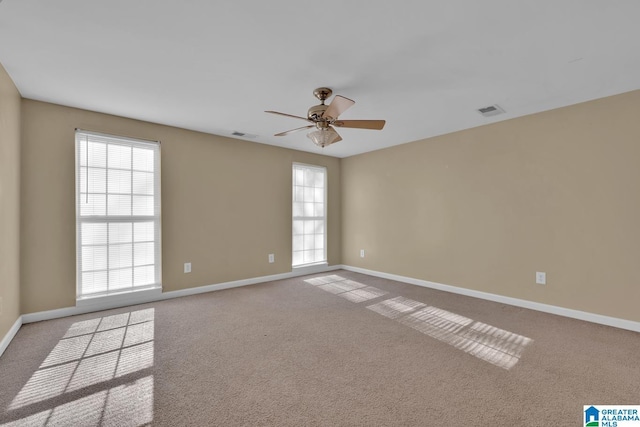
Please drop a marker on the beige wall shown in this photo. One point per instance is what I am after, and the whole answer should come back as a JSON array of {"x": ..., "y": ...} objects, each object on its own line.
[
  {"x": 9, "y": 203},
  {"x": 226, "y": 204},
  {"x": 486, "y": 208},
  {"x": 481, "y": 209}
]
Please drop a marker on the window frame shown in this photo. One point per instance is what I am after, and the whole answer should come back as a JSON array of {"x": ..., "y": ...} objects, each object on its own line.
[
  {"x": 156, "y": 218},
  {"x": 324, "y": 217}
]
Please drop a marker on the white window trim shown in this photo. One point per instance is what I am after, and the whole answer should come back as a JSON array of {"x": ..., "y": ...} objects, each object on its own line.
[
  {"x": 135, "y": 296},
  {"x": 311, "y": 266},
  {"x": 317, "y": 267},
  {"x": 120, "y": 294}
]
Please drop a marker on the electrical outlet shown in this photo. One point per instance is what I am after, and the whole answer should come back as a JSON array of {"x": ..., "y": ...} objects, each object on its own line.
[
  {"x": 541, "y": 278},
  {"x": 272, "y": 258},
  {"x": 187, "y": 267},
  {"x": 361, "y": 253}
]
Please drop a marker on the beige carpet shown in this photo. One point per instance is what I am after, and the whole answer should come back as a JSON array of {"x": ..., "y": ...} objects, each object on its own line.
[{"x": 329, "y": 349}]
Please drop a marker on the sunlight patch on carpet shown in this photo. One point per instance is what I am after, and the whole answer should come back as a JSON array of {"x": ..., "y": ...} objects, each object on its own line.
[
  {"x": 396, "y": 307},
  {"x": 345, "y": 288},
  {"x": 437, "y": 323},
  {"x": 363, "y": 294},
  {"x": 95, "y": 353},
  {"x": 497, "y": 346},
  {"x": 315, "y": 281},
  {"x": 342, "y": 286},
  {"x": 491, "y": 344},
  {"x": 129, "y": 404}
]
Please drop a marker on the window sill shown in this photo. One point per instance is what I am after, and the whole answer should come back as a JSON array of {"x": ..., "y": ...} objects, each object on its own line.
[
  {"x": 130, "y": 297},
  {"x": 317, "y": 267}
]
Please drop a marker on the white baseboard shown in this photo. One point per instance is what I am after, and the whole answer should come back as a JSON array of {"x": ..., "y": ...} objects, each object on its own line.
[
  {"x": 100, "y": 304},
  {"x": 151, "y": 297},
  {"x": 9, "y": 336},
  {"x": 546, "y": 308}
]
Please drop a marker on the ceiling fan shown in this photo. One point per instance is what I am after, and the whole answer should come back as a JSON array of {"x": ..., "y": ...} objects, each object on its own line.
[{"x": 325, "y": 117}]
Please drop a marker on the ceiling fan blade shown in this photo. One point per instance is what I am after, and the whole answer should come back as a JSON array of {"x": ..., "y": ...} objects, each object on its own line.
[
  {"x": 288, "y": 115},
  {"x": 339, "y": 105},
  {"x": 360, "y": 124},
  {"x": 293, "y": 130}
]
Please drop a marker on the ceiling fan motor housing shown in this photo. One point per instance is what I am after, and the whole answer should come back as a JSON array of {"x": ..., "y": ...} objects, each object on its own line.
[{"x": 315, "y": 113}]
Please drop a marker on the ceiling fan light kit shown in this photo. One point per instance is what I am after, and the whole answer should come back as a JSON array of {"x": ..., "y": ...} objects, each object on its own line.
[
  {"x": 323, "y": 137},
  {"x": 324, "y": 117}
]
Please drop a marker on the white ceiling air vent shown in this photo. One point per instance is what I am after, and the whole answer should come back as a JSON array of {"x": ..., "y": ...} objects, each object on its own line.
[
  {"x": 241, "y": 134},
  {"x": 492, "y": 110}
]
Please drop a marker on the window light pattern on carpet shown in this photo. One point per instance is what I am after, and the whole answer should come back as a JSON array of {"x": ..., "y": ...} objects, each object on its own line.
[
  {"x": 494, "y": 345},
  {"x": 100, "y": 370}
]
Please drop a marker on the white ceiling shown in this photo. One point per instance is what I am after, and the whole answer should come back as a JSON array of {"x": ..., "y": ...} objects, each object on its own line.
[{"x": 425, "y": 66}]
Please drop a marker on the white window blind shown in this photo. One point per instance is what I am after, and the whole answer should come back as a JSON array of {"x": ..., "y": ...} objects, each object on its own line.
[
  {"x": 117, "y": 214},
  {"x": 309, "y": 214}
]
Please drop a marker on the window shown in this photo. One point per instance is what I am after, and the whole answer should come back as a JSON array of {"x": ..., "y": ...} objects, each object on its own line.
[
  {"x": 309, "y": 214},
  {"x": 117, "y": 214}
]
